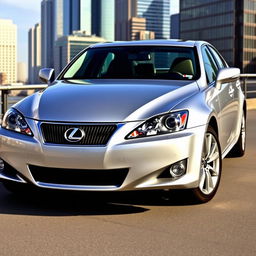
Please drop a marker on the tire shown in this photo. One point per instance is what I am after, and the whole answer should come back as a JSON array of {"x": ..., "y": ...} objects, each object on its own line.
[
  {"x": 239, "y": 148},
  {"x": 16, "y": 188},
  {"x": 210, "y": 171}
]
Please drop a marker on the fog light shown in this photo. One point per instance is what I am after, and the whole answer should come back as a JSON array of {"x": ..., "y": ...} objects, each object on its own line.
[
  {"x": 175, "y": 170},
  {"x": 178, "y": 169}
]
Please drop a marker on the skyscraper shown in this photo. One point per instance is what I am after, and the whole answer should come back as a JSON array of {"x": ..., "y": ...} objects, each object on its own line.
[
  {"x": 103, "y": 19},
  {"x": 8, "y": 51},
  {"x": 77, "y": 16},
  {"x": 228, "y": 24},
  {"x": 157, "y": 14},
  {"x": 125, "y": 10},
  {"x": 47, "y": 32},
  {"x": 34, "y": 54}
]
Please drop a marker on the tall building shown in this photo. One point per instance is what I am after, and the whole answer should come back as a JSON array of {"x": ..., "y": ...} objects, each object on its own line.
[
  {"x": 67, "y": 47},
  {"x": 157, "y": 15},
  {"x": 8, "y": 51},
  {"x": 155, "y": 12},
  {"x": 77, "y": 16},
  {"x": 48, "y": 35},
  {"x": 103, "y": 19},
  {"x": 228, "y": 24},
  {"x": 125, "y": 10},
  {"x": 34, "y": 54}
]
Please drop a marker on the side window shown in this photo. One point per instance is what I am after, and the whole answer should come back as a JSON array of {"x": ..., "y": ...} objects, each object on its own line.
[
  {"x": 211, "y": 67},
  {"x": 220, "y": 61}
]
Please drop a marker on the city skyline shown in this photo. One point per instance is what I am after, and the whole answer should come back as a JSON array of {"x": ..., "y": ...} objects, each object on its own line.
[{"x": 25, "y": 14}]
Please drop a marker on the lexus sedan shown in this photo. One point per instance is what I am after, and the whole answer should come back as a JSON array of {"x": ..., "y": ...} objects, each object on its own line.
[{"x": 146, "y": 115}]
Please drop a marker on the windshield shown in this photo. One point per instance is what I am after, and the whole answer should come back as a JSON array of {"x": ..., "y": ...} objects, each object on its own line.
[{"x": 135, "y": 62}]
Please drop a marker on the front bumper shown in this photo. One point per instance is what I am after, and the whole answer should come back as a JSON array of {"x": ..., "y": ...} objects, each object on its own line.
[{"x": 145, "y": 158}]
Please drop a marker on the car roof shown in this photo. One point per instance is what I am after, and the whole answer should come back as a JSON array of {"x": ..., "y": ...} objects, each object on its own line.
[{"x": 167, "y": 42}]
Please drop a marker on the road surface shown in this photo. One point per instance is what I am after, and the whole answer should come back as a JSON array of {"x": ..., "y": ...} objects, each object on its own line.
[{"x": 138, "y": 223}]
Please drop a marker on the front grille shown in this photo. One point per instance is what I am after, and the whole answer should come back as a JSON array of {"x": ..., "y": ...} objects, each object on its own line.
[
  {"x": 112, "y": 177},
  {"x": 94, "y": 134}
]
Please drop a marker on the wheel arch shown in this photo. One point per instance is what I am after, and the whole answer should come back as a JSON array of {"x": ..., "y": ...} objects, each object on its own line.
[
  {"x": 245, "y": 108},
  {"x": 213, "y": 123}
]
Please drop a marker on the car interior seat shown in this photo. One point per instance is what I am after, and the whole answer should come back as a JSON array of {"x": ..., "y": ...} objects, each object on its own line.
[{"x": 182, "y": 65}]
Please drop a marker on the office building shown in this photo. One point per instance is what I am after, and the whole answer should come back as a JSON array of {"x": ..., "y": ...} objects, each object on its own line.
[
  {"x": 125, "y": 10},
  {"x": 157, "y": 15},
  {"x": 103, "y": 19},
  {"x": 67, "y": 47},
  {"x": 48, "y": 34},
  {"x": 77, "y": 15},
  {"x": 8, "y": 51},
  {"x": 155, "y": 12},
  {"x": 138, "y": 29},
  {"x": 34, "y": 54},
  {"x": 228, "y": 24}
]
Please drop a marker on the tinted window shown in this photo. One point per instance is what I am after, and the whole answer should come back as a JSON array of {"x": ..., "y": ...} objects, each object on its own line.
[
  {"x": 221, "y": 63},
  {"x": 211, "y": 67},
  {"x": 135, "y": 62}
]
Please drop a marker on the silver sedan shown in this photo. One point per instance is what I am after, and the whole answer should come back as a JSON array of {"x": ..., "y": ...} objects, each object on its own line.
[{"x": 128, "y": 116}]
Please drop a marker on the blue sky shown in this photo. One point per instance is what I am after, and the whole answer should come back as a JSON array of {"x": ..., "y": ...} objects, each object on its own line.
[{"x": 25, "y": 14}]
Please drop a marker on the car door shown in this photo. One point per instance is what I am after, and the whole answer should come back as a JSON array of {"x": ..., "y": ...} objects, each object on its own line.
[
  {"x": 224, "y": 98},
  {"x": 232, "y": 93}
]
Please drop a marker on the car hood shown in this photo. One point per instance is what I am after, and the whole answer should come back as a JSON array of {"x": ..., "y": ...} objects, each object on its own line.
[{"x": 105, "y": 100}]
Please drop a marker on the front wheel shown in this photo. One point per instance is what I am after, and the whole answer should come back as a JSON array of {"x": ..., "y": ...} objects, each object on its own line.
[{"x": 210, "y": 172}]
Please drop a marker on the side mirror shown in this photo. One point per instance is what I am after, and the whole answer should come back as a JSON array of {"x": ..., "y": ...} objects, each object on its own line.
[
  {"x": 226, "y": 75},
  {"x": 47, "y": 75}
]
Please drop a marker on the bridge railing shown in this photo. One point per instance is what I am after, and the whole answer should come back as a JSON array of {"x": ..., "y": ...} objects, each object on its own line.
[
  {"x": 5, "y": 91},
  {"x": 248, "y": 84}
]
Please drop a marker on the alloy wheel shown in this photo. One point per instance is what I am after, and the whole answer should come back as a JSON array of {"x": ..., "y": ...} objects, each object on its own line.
[{"x": 210, "y": 168}]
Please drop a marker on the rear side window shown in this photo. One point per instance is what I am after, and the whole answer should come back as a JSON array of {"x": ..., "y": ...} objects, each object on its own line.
[
  {"x": 220, "y": 61},
  {"x": 210, "y": 65}
]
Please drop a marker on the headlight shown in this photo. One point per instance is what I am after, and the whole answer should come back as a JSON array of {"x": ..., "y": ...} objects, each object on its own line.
[
  {"x": 14, "y": 121},
  {"x": 168, "y": 123}
]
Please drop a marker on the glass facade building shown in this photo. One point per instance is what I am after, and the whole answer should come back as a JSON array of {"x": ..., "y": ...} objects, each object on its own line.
[
  {"x": 77, "y": 16},
  {"x": 249, "y": 36},
  {"x": 125, "y": 11},
  {"x": 47, "y": 33},
  {"x": 157, "y": 14},
  {"x": 34, "y": 54},
  {"x": 103, "y": 19},
  {"x": 227, "y": 24}
]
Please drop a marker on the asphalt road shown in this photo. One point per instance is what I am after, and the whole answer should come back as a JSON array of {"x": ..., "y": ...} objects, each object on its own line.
[{"x": 137, "y": 223}]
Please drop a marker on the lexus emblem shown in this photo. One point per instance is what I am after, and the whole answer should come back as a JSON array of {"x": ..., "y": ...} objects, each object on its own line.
[{"x": 74, "y": 134}]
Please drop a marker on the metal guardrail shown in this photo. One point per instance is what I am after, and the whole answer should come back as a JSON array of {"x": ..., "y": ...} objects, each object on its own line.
[
  {"x": 245, "y": 82},
  {"x": 7, "y": 88}
]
